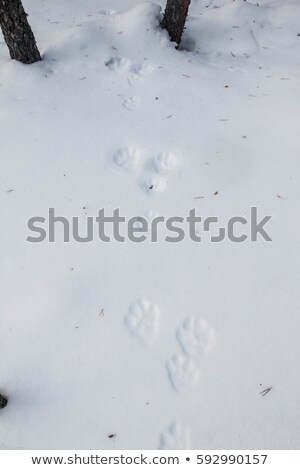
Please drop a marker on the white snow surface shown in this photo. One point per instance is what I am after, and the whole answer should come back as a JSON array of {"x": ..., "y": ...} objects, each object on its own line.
[{"x": 166, "y": 346}]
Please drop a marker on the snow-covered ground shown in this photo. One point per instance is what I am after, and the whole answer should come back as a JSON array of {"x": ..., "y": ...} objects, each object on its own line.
[{"x": 162, "y": 345}]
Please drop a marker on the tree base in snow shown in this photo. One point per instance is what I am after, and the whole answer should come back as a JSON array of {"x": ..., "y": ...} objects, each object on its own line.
[
  {"x": 17, "y": 32},
  {"x": 3, "y": 401},
  {"x": 174, "y": 18}
]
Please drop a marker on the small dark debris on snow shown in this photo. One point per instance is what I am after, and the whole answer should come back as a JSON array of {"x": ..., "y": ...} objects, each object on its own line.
[
  {"x": 111, "y": 436},
  {"x": 3, "y": 401},
  {"x": 101, "y": 314},
  {"x": 281, "y": 197},
  {"x": 9, "y": 191},
  {"x": 170, "y": 115},
  {"x": 266, "y": 391},
  {"x": 151, "y": 187},
  {"x": 216, "y": 193},
  {"x": 199, "y": 197}
]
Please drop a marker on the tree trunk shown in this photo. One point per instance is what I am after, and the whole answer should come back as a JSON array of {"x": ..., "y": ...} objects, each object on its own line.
[
  {"x": 174, "y": 18},
  {"x": 17, "y": 32}
]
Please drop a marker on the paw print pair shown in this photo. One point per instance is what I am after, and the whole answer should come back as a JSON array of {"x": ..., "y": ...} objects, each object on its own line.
[{"x": 196, "y": 338}]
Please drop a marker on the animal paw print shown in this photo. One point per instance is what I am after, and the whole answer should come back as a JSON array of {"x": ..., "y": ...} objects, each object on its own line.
[
  {"x": 107, "y": 12},
  {"x": 195, "y": 337},
  {"x": 158, "y": 168},
  {"x": 142, "y": 70},
  {"x": 127, "y": 158},
  {"x": 118, "y": 64},
  {"x": 164, "y": 162},
  {"x": 176, "y": 438},
  {"x": 131, "y": 103},
  {"x": 142, "y": 320},
  {"x": 153, "y": 184},
  {"x": 183, "y": 372}
]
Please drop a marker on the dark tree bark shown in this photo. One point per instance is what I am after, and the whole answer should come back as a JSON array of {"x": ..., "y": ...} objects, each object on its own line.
[
  {"x": 17, "y": 32},
  {"x": 174, "y": 18},
  {"x": 3, "y": 401}
]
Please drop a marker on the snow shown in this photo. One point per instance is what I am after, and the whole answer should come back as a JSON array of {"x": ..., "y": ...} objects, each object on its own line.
[{"x": 164, "y": 345}]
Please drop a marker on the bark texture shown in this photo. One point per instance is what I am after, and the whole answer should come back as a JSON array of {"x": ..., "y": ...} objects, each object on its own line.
[
  {"x": 174, "y": 18},
  {"x": 3, "y": 401},
  {"x": 17, "y": 32}
]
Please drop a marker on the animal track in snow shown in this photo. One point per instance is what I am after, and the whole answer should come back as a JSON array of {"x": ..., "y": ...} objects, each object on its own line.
[
  {"x": 164, "y": 162},
  {"x": 142, "y": 70},
  {"x": 142, "y": 320},
  {"x": 127, "y": 158},
  {"x": 153, "y": 184},
  {"x": 107, "y": 12},
  {"x": 195, "y": 337},
  {"x": 157, "y": 168},
  {"x": 135, "y": 71},
  {"x": 154, "y": 178},
  {"x": 183, "y": 372},
  {"x": 131, "y": 103},
  {"x": 178, "y": 437},
  {"x": 118, "y": 64}
]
